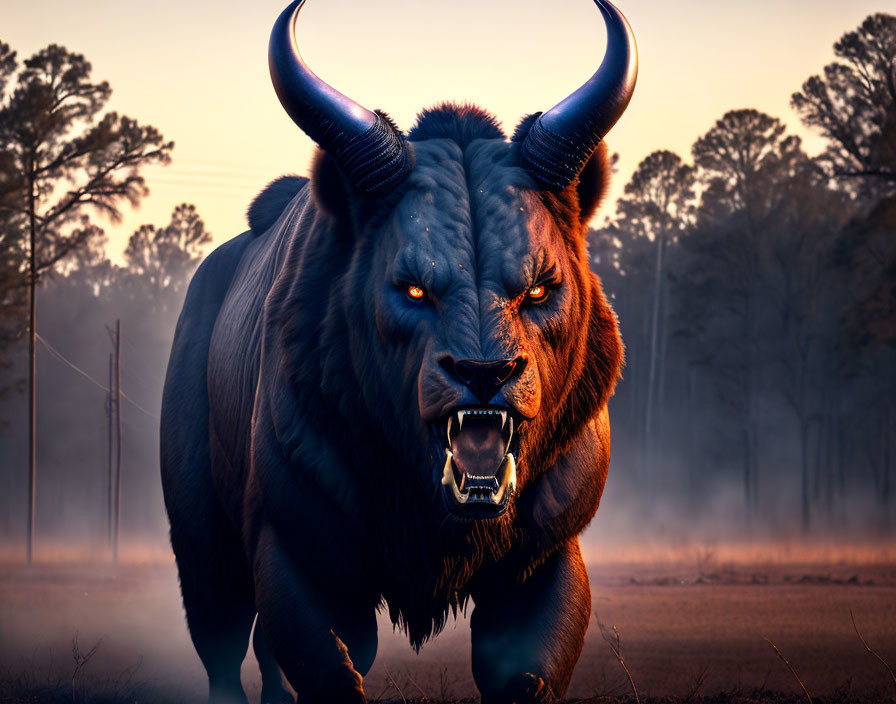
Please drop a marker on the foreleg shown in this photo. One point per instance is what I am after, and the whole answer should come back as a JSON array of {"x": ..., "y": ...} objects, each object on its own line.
[{"x": 527, "y": 637}]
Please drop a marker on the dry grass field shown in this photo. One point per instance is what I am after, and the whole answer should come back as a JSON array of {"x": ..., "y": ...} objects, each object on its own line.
[{"x": 692, "y": 627}]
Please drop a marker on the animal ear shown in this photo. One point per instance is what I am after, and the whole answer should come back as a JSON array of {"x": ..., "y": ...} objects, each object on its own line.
[
  {"x": 329, "y": 186},
  {"x": 594, "y": 181}
]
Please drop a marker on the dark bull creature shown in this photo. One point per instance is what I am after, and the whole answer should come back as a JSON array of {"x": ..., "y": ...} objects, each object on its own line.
[{"x": 393, "y": 391}]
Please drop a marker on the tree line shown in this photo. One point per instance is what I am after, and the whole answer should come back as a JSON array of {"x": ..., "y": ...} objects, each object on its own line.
[
  {"x": 755, "y": 286},
  {"x": 756, "y": 291}
]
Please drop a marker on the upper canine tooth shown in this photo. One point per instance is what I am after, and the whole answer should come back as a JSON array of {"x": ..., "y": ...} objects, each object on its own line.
[
  {"x": 509, "y": 435},
  {"x": 450, "y": 421},
  {"x": 503, "y": 419},
  {"x": 460, "y": 420}
]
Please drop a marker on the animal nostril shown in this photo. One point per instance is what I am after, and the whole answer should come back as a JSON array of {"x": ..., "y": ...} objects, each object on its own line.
[
  {"x": 446, "y": 362},
  {"x": 463, "y": 370},
  {"x": 503, "y": 374},
  {"x": 484, "y": 379},
  {"x": 466, "y": 371}
]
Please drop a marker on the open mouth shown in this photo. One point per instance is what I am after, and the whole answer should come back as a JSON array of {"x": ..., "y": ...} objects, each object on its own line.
[{"x": 479, "y": 475}]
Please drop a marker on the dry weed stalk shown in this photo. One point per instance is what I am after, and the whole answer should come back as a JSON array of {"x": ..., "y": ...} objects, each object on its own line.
[
  {"x": 868, "y": 648},
  {"x": 790, "y": 667},
  {"x": 416, "y": 686},
  {"x": 698, "y": 684},
  {"x": 395, "y": 684},
  {"x": 614, "y": 642},
  {"x": 443, "y": 683},
  {"x": 81, "y": 659}
]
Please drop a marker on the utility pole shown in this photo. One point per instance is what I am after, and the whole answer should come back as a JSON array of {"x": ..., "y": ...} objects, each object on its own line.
[
  {"x": 115, "y": 437},
  {"x": 109, "y": 480},
  {"x": 32, "y": 358},
  {"x": 118, "y": 436}
]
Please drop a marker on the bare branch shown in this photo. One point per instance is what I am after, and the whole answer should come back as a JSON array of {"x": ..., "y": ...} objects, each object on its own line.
[
  {"x": 614, "y": 642},
  {"x": 790, "y": 667},
  {"x": 395, "y": 684},
  {"x": 868, "y": 648}
]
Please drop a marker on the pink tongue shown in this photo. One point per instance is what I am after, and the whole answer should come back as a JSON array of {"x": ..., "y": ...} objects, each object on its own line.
[{"x": 478, "y": 449}]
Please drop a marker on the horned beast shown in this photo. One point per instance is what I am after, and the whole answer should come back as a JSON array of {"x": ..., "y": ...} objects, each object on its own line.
[{"x": 392, "y": 391}]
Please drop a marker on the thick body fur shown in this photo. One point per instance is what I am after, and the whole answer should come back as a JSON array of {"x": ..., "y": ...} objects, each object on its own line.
[{"x": 298, "y": 463}]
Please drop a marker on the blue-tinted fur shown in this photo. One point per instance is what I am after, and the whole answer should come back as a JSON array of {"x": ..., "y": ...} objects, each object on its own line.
[{"x": 300, "y": 473}]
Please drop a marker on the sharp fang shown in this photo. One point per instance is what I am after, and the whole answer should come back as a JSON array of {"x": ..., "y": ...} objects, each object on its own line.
[
  {"x": 458, "y": 494},
  {"x": 450, "y": 421},
  {"x": 448, "y": 479},
  {"x": 509, "y": 436},
  {"x": 460, "y": 420},
  {"x": 511, "y": 480},
  {"x": 447, "y": 473},
  {"x": 503, "y": 419},
  {"x": 508, "y": 481}
]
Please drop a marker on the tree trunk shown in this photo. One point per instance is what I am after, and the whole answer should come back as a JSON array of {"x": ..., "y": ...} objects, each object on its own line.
[
  {"x": 32, "y": 359},
  {"x": 804, "y": 475},
  {"x": 654, "y": 347},
  {"x": 661, "y": 371},
  {"x": 748, "y": 464},
  {"x": 691, "y": 459},
  {"x": 886, "y": 487},
  {"x": 117, "y": 399}
]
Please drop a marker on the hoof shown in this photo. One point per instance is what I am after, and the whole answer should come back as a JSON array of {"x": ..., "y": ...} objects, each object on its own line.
[{"x": 528, "y": 689}]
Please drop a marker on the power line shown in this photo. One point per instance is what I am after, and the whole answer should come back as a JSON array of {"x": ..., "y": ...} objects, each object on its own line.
[
  {"x": 137, "y": 353},
  {"x": 56, "y": 353},
  {"x": 178, "y": 163},
  {"x": 139, "y": 407},
  {"x": 136, "y": 379}
]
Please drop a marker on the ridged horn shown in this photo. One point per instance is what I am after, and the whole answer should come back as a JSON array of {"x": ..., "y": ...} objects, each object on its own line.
[
  {"x": 560, "y": 141},
  {"x": 373, "y": 155}
]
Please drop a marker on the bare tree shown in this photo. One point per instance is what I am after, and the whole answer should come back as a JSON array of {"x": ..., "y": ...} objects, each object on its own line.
[
  {"x": 853, "y": 104},
  {"x": 67, "y": 160}
]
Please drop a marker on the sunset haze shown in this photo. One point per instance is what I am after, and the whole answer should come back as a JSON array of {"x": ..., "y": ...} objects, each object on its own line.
[{"x": 198, "y": 71}]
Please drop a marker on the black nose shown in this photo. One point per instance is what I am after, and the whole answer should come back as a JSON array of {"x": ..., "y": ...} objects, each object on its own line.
[{"x": 484, "y": 379}]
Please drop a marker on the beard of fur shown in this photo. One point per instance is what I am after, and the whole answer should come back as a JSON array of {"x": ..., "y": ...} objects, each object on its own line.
[{"x": 429, "y": 556}]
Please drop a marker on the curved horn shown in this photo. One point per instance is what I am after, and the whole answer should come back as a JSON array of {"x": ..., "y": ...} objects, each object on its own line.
[
  {"x": 374, "y": 156},
  {"x": 561, "y": 141}
]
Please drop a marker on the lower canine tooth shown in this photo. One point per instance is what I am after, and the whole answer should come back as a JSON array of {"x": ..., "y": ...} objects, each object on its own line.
[
  {"x": 447, "y": 474},
  {"x": 448, "y": 479},
  {"x": 509, "y": 480}
]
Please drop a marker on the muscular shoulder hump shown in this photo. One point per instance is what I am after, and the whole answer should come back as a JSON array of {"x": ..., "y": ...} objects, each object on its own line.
[{"x": 270, "y": 203}]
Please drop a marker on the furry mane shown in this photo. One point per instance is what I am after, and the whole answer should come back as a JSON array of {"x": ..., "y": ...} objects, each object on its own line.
[{"x": 462, "y": 122}]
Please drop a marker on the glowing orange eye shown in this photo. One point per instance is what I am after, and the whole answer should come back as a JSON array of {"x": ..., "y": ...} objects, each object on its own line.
[
  {"x": 415, "y": 292},
  {"x": 536, "y": 293}
]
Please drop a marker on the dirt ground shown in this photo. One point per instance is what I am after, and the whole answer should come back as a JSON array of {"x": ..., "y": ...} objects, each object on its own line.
[{"x": 685, "y": 628}]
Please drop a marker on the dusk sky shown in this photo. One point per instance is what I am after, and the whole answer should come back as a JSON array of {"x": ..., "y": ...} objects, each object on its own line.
[{"x": 198, "y": 71}]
